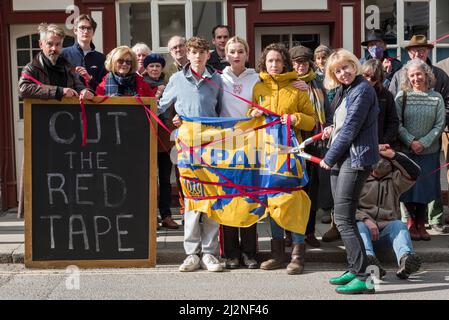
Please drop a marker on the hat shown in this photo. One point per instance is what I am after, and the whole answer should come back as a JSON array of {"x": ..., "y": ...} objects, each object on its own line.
[
  {"x": 154, "y": 58},
  {"x": 301, "y": 52},
  {"x": 418, "y": 40},
  {"x": 323, "y": 48},
  {"x": 374, "y": 35}
]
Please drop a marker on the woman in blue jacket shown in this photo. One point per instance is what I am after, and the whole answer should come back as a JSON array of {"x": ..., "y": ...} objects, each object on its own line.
[{"x": 353, "y": 149}]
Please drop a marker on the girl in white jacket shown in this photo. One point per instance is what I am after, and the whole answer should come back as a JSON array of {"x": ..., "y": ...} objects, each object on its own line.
[{"x": 240, "y": 81}]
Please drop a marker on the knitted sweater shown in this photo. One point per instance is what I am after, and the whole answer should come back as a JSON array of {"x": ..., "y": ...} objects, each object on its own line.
[{"x": 424, "y": 120}]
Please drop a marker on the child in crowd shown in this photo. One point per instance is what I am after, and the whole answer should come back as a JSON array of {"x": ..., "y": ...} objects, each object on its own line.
[{"x": 195, "y": 97}]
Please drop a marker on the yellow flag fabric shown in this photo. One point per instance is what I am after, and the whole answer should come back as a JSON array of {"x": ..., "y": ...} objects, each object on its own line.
[{"x": 232, "y": 170}]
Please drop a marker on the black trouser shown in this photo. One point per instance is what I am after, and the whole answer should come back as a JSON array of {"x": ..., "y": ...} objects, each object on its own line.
[
  {"x": 318, "y": 189},
  {"x": 416, "y": 210},
  {"x": 233, "y": 247},
  {"x": 347, "y": 184},
  {"x": 164, "y": 173}
]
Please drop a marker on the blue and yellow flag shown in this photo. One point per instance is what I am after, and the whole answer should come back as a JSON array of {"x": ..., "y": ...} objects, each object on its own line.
[{"x": 231, "y": 169}]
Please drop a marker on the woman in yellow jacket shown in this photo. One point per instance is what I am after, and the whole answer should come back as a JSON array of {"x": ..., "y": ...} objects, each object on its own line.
[{"x": 276, "y": 93}]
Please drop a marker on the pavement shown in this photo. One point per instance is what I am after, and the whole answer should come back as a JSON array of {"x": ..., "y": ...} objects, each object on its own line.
[{"x": 170, "y": 244}]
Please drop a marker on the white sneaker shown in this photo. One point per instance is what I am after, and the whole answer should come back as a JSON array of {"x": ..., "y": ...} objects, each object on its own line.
[
  {"x": 210, "y": 263},
  {"x": 191, "y": 263}
]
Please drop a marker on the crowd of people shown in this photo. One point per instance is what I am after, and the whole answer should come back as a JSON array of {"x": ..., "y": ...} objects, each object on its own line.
[{"x": 382, "y": 124}]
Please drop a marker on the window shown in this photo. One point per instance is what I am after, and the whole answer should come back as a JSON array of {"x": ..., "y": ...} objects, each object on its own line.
[
  {"x": 206, "y": 15},
  {"x": 416, "y": 19},
  {"x": 172, "y": 21},
  {"x": 156, "y": 21},
  {"x": 382, "y": 15},
  {"x": 134, "y": 23},
  {"x": 401, "y": 19},
  {"x": 442, "y": 20}
]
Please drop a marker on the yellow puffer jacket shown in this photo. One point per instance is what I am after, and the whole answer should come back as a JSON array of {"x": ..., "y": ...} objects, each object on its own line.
[{"x": 277, "y": 94}]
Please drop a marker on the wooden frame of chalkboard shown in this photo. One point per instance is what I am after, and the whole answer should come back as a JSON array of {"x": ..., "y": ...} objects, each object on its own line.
[{"x": 70, "y": 173}]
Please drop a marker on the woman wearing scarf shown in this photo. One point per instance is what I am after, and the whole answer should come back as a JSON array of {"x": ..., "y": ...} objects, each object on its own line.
[
  {"x": 318, "y": 188},
  {"x": 154, "y": 64},
  {"x": 122, "y": 79}
]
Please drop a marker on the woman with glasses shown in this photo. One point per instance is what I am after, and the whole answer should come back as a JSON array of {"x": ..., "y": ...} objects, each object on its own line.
[
  {"x": 388, "y": 124},
  {"x": 353, "y": 150},
  {"x": 122, "y": 79}
]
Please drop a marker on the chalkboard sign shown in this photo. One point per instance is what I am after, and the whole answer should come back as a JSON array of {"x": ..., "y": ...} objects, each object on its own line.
[{"x": 92, "y": 205}]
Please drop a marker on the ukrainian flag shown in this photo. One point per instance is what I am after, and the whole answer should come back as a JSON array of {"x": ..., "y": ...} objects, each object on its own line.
[{"x": 232, "y": 170}]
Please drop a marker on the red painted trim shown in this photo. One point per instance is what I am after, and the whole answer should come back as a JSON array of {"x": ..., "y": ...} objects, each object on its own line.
[
  {"x": 7, "y": 154},
  {"x": 7, "y": 18}
]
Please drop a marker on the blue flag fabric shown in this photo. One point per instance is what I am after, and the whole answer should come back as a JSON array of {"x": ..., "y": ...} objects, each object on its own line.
[{"x": 232, "y": 170}]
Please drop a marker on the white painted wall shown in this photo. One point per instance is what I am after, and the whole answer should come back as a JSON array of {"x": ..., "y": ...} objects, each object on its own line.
[
  {"x": 240, "y": 22},
  {"x": 277, "y": 5},
  {"x": 348, "y": 28},
  {"x": 98, "y": 36},
  {"x": 41, "y": 5}
]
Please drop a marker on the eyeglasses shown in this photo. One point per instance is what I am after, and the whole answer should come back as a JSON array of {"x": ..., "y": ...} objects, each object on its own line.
[
  {"x": 85, "y": 28},
  {"x": 123, "y": 61},
  {"x": 418, "y": 49},
  {"x": 179, "y": 46},
  {"x": 369, "y": 77}
]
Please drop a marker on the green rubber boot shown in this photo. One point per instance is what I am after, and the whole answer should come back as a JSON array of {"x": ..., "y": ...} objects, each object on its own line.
[
  {"x": 343, "y": 279},
  {"x": 356, "y": 286}
]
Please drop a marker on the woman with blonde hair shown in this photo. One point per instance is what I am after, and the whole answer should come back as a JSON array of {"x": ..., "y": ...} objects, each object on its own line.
[
  {"x": 122, "y": 79},
  {"x": 421, "y": 123},
  {"x": 353, "y": 150}
]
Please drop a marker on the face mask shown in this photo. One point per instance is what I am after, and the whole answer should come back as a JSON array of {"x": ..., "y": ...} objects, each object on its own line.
[{"x": 376, "y": 52}]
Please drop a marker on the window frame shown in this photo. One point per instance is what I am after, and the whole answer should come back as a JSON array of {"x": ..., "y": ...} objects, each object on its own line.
[
  {"x": 154, "y": 5},
  {"x": 401, "y": 43}
]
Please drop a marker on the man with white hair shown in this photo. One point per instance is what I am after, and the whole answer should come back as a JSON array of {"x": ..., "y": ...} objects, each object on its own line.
[
  {"x": 49, "y": 75},
  {"x": 178, "y": 51}
]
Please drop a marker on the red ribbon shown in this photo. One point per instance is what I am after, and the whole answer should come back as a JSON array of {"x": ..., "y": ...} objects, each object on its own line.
[{"x": 81, "y": 100}]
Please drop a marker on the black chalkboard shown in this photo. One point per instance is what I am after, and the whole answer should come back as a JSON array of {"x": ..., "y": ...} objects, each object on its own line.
[{"x": 89, "y": 205}]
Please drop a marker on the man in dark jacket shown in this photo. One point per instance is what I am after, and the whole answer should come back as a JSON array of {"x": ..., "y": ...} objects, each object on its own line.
[
  {"x": 49, "y": 75},
  {"x": 378, "y": 213},
  {"x": 221, "y": 35},
  {"x": 377, "y": 49},
  {"x": 88, "y": 62},
  {"x": 418, "y": 48}
]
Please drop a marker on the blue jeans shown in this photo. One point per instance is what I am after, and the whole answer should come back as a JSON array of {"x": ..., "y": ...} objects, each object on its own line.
[
  {"x": 395, "y": 235},
  {"x": 347, "y": 184},
  {"x": 277, "y": 233}
]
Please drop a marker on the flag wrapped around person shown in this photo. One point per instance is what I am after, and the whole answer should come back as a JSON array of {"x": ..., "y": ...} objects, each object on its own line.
[{"x": 231, "y": 169}]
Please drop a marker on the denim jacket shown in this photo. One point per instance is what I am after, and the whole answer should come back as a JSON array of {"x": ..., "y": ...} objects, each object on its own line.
[{"x": 358, "y": 135}]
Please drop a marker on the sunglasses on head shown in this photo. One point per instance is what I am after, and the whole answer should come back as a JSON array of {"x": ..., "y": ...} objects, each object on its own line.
[{"x": 123, "y": 61}]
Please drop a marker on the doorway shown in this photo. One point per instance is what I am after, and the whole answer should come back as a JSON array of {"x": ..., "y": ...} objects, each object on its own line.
[{"x": 308, "y": 36}]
